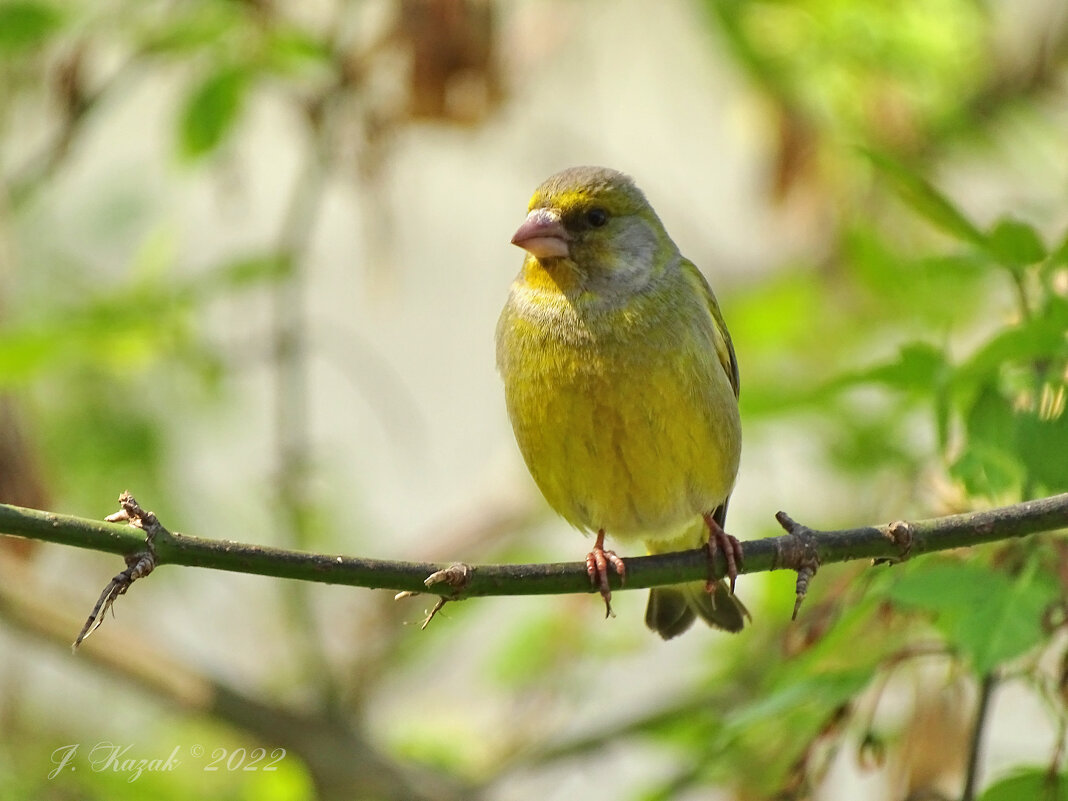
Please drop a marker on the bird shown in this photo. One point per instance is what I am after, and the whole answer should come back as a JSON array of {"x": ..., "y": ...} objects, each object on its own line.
[{"x": 621, "y": 384}]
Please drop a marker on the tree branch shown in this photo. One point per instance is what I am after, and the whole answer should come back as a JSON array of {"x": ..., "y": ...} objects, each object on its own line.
[
  {"x": 801, "y": 547},
  {"x": 792, "y": 551}
]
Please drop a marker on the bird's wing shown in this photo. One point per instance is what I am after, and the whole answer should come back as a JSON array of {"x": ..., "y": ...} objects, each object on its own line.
[
  {"x": 724, "y": 345},
  {"x": 724, "y": 348}
]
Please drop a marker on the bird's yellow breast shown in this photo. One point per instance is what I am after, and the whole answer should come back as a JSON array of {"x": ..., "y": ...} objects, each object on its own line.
[{"x": 622, "y": 410}]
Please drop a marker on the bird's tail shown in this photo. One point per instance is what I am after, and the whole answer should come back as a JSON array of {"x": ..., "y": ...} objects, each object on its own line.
[{"x": 672, "y": 609}]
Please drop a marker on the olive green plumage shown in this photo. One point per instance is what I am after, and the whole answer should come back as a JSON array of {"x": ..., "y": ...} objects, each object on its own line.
[{"x": 620, "y": 379}]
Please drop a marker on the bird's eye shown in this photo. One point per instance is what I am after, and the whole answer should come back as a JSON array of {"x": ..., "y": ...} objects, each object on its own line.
[{"x": 596, "y": 217}]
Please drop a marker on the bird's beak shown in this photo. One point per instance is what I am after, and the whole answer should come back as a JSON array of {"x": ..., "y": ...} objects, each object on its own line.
[{"x": 543, "y": 235}]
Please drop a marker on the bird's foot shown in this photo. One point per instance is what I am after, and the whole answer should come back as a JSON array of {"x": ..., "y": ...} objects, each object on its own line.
[
  {"x": 597, "y": 562},
  {"x": 720, "y": 540}
]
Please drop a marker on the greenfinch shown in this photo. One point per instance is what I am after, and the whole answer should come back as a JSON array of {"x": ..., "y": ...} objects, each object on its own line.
[{"x": 622, "y": 386}]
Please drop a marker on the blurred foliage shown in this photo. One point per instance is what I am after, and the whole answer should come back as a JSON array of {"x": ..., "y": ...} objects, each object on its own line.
[
  {"x": 182, "y": 769},
  {"x": 26, "y": 25},
  {"x": 1037, "y": 784},
  {"x": 917, "y": 343}
]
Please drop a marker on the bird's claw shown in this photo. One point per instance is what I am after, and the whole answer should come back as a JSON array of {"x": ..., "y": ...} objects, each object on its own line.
[
  {"x": 597, "y": 562},
  {"x": 720, "y": 540}
]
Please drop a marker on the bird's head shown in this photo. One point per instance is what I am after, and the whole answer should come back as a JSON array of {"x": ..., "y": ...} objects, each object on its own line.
[{"x": 596, "y": 225}]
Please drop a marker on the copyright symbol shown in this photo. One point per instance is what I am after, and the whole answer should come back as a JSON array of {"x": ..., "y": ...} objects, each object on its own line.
[{"x": 197, "y": 750}]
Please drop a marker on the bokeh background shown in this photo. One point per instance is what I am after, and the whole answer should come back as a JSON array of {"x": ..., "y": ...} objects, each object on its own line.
[{"x": 251, "y": 259}]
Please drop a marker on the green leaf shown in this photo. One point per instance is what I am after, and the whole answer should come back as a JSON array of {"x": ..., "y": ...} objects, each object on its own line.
[
  {"x": 1015, "y": 244},
  {"x": 1033, "y": 784},
  {"x": 205, "y": 25},
  {"x": 291, "y": 48},
  {"x": 1059, "y": 257},
  {"x": 987, "y": 471},
  {"x": 943, "y": 412},
  {"x": 919, "y": 366},
  {"x": 991, "y": 419},
  {"x": 989, "y": 464},
  {"x": 26, "y": 24},
  {"x": 1043, "y": 441},
  {"x": 1036, "y": 339},
  {"x": 776, "y": 727},
  {"x": 923, "y": 198},
  {"x": 211, "y": 110},
  {"x": 807, "y": 697},
  {"x": 988, "y": 616}
]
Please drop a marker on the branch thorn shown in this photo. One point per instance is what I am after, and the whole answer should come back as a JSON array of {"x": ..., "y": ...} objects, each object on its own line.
[
  {"x": 799, "y": 554},
  {"x": 455, "y": 575},
  {"x": 138, "y": 565},
  {"x": 804, "y": 576},
  {"x": 437, "y": 608}
]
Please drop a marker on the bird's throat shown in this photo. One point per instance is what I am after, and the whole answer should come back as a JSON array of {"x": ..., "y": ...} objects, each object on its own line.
[{"x": 552, "y": 275}]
